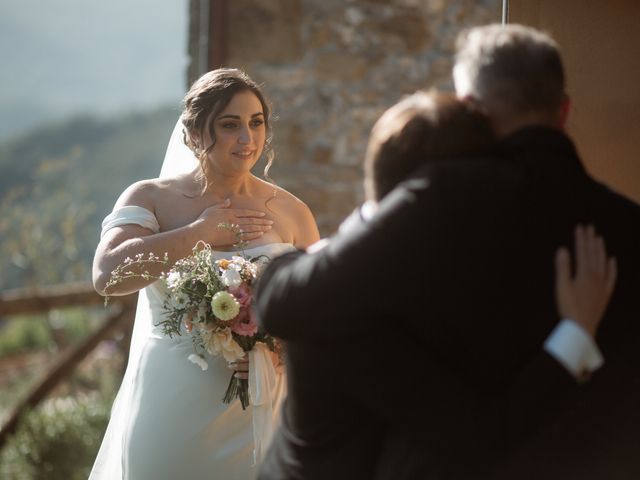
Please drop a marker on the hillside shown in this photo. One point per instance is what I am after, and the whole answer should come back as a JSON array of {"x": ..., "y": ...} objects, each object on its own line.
[
  {"x": 58, "y": 182},
  {"x": 62, "y": 58}
]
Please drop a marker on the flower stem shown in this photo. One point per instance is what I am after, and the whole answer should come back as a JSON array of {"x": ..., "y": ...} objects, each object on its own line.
[{"x": 238, "y": 388}]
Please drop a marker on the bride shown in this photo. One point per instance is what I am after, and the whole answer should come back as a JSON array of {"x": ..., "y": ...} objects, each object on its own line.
[{"x": 168, "y": 420}]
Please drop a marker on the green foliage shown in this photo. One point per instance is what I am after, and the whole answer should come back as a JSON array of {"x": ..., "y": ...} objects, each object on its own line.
[
  {"x": 74, "y": 323},
  {"x": 24, "y": 334},
  {"x": 45, "y": 239},
  {"x": 57, "y": 184},
  {"x": 18, "y": 381},
  {"x": 29, "y": 343},
  {"x": 57, "y": 441}
]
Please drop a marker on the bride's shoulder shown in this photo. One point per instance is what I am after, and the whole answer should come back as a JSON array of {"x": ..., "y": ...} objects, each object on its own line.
[
  {"x": 282, "y": 201},
  {"x": 147, "y": 193},
  {"x": 292, "y": 210}
]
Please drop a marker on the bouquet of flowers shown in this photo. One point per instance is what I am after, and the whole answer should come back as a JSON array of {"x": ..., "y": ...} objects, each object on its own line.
[{"x": 210, "y": 301}]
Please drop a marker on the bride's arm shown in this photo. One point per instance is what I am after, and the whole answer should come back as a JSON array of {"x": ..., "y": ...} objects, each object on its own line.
[{"x": 127, "y": 241}]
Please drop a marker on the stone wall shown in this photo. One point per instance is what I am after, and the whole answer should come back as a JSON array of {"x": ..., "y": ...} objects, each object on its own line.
[{"x": 330, "y": 68}]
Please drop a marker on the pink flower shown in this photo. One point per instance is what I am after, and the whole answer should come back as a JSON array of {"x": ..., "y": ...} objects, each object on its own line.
[
  {"x": 245, "y": 323},
  {"x": 242, "y": 293}
]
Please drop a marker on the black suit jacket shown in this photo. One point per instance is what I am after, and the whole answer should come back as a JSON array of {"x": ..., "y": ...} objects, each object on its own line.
[
  {"x": 598, "y": 436},
  {"x": 415, "y": 338}
]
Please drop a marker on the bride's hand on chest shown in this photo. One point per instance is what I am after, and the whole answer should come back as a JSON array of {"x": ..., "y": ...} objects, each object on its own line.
[
  {"x": 266, "y": 214},
  {"x": 226, "y": 223},
  {"x": 223, "y": 225}
]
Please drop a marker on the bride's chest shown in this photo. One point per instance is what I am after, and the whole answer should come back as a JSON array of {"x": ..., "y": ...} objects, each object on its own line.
[{"x": 174, "y": 213}]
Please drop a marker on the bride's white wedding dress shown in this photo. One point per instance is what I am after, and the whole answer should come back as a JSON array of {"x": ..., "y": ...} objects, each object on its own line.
[{"x": 168, "y": 420}]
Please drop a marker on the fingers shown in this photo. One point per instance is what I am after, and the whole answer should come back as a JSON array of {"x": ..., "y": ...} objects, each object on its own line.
[
  {"x": 250, "y": 228},
  {"x": 239, "y": 212},
  {"x": 581, "y": 250},
  {"x": 236, "y": 225},
  {"x": 564, "y": 291},
  {"x": 589, "y": 290},
  {"x": 245, "y": 230},
  {"x": 251, "y": 232},
  {"x": 611, "y": 275},
  {"x": 597, "y": 253},
  {"x": 591, "y": 254},
  {"x": 243, "y": 212},
  {"x": 248, "y": 236},
  {"x": 253, "y": 221},
  {"x": 563, "y": 268},
  {"x": 253, "y": 228}
]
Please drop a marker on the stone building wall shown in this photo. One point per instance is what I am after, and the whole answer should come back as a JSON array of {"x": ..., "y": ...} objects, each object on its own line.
[{"x": 330, "y": 68}]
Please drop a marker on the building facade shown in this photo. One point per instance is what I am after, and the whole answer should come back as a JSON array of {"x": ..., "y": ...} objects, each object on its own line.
[{"x": 330, "y": 68}]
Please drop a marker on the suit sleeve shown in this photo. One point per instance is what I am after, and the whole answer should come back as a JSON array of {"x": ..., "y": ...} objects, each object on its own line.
[
  {"x": 320, "y": 298},
  {"x": 450, "y": 413},
  {"x": 299, "y": 294}
]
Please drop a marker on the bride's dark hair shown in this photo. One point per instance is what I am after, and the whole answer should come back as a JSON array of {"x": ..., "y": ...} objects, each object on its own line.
[
  {"x": 421, "y": 128},
  {"x": 207, "y": 98}
]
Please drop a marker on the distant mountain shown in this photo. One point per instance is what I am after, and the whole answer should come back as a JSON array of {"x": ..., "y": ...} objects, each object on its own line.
[
  {"x": 59, "y": 181},
  {"x": 75, "y": 56},
  {"x": 105, "y": 154}
]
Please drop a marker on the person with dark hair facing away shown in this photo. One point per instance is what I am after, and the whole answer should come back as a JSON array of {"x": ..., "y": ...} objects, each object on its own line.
[
  {"x": 423, "y": 127},
  {"x": 381, "y": 295}
]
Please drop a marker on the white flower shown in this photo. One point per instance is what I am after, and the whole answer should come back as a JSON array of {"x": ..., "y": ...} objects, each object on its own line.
[
  {"x": 225, "y": 306},
  {"x": 238, "y": 261},
  {"x": 198, "y": 360},
  {"x": 179, "y": 299},
  {"x": 231, "y": 277},
  {"x": 221, "y": 342},
  {"x": 173, "y": 279}
]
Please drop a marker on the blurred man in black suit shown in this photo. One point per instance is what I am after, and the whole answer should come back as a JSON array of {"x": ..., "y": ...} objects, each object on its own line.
[{"x": 423, "y": 341}]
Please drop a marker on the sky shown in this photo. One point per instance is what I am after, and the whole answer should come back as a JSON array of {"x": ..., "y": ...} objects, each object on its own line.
[{"x": 64, "y": 57}]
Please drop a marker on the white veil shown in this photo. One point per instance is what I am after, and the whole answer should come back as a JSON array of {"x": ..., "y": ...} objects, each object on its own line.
[
  {"x": 179, "y": 158},
  {"x": 108, "y": 464}
]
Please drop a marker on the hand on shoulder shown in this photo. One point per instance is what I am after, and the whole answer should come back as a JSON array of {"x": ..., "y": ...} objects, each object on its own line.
[{"x": 583, "y": 296}]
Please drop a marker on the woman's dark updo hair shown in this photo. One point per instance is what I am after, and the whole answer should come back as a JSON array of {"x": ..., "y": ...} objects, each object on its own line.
[
  {"x": 421, "y": 128},
  {"x": 206, "y": 99}
]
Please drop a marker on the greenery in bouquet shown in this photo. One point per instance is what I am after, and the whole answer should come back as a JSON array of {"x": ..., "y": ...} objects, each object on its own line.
[{"x": 210, "y": 301}]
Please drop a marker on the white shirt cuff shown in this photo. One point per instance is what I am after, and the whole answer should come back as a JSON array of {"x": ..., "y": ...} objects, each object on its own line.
[{"x": 574, "y": 349}]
